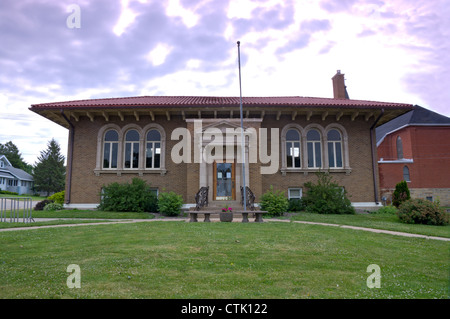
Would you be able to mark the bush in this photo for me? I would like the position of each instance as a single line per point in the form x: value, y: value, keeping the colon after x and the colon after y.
x: 295, y: 205
x: 40, y: 205
x: 53, y: 206
x: 134, y: 197
x: 401, y: 194
x: 8, y: 193
x: 420, y: 211
x: 58, y: 197
x: 274, y: 202
x: 326, y: 197
x: 391, y: 210
x: 169, y: 204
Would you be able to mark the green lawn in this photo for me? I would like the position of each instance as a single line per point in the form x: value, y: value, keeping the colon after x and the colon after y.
x: 219, y: 260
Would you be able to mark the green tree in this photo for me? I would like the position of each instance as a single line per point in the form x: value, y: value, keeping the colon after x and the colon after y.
x: 13, y: 155
x: 49, y: 171
x: 401, y: 194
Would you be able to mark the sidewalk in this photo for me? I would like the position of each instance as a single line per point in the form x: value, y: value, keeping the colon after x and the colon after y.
x: 168, y: 219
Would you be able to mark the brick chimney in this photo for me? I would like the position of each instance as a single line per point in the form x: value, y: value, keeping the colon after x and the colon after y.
x: 339, y: 88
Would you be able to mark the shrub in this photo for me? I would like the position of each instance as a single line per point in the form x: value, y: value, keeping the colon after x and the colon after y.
x: 8, y: 193
x: 401, y: 193
x: 169, y: 204
x: 391, y: 210
x: 420, y: 211
x: 326, y: 197
x: 274, y: 202
x: 58, y: 197
x: 128, y: 197
x: 40, y: 205
x: 53, y: 206
x: 295, y: 205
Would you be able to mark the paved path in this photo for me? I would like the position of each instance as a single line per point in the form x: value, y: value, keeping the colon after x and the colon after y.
x: 128, y: 221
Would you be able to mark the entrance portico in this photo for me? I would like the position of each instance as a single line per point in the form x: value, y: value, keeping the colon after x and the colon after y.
x: 220, y: 163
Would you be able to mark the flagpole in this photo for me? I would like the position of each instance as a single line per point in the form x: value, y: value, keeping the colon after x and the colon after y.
x: 242, y: 128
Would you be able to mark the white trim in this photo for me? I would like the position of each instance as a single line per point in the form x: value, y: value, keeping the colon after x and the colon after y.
x: 366, y: 204
x: 404, y: 160
x: 81, y: 206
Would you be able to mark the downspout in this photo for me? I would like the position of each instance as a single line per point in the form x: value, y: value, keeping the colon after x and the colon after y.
x: 69, y: 160
x: 374, y: 160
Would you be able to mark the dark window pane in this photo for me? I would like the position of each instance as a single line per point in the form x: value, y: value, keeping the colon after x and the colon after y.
x: 111, y: 136
x: 310, y: 155
x: 318, y: 155
x: 331, y: 154
x: 338, y: 155
x: 153, y: 135
x: 334, y: 135
x: 106, y: 155
x: 313, y: 135
x: 115, y: 147
x: 292, y: 135
x: 132, y: 135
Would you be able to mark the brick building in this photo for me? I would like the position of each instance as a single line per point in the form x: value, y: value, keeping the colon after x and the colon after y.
x: 415, y: 147
x: 181, y: 143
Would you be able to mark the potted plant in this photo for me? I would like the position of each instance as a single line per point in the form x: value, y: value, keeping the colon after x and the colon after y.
x: 226, y: 215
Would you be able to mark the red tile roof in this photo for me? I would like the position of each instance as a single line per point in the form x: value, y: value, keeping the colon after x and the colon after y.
x: 214, y: 101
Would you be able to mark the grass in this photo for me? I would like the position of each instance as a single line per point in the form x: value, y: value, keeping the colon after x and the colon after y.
x: 219, y: 260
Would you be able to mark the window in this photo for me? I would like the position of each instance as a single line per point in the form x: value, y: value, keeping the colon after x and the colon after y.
x: 153, y: 149
x: 131, y: 149
x: 294, y: 193
x: 293, y: 149
x: 399, y: 148
x: 110, y: 149
x: 314, y: 149
x: 334, y: 149
x: 406, y: 174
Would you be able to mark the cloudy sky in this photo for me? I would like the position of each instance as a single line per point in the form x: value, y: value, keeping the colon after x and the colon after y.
x: 59, y: 50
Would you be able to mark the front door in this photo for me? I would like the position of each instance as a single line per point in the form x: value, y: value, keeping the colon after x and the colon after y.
x: 224, y: 181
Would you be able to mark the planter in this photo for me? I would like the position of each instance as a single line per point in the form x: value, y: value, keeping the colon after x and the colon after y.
x: 226, y: 217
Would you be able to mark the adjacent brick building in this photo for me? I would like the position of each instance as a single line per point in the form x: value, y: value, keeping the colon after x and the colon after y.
x: 416, y: 147
x: 181, y: 143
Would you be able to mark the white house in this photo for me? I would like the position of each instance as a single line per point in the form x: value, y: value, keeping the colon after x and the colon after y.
x: 14, y: 179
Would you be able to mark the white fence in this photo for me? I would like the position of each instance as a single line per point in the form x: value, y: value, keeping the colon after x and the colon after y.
x: 16, y: 209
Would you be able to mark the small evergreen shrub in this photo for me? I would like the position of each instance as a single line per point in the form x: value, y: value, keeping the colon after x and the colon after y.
x: 40, y: 205
x: 274, y: 202
x: 326, y: 197
x: 128, y: 197
x: 58, y: 197
x: 420, y: 211
x: 53, y: 207
x: 295, y: 205
x: 170, y: 204
x: 401, y: 194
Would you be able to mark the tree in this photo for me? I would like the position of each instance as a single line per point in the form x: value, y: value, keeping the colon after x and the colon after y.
x: 49, y: 171
x: 401, y: 194
x: 13, y: 155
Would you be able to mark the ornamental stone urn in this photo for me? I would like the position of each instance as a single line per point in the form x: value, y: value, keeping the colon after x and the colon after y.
x: 226, y: 215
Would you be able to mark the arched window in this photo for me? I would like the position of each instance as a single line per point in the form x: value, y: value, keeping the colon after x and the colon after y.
x: 406, y: 174
x: 399, y: 148
x: 334, y: 149
x: 110, y: 149
x: 131, y: 149
x: 153, y: 149
x: 293, y: 149
x: 314, y: 149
